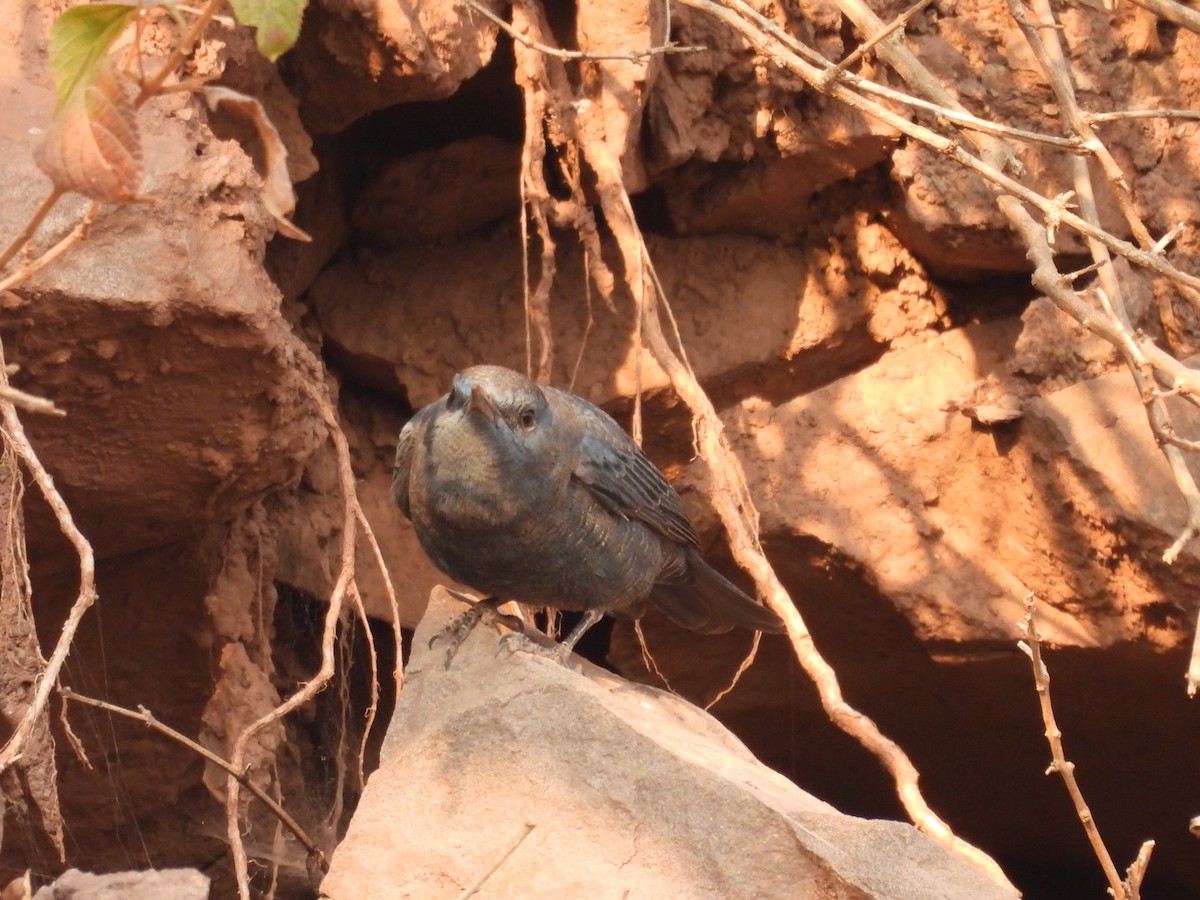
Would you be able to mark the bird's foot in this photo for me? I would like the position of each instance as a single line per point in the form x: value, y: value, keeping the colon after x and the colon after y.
x: 520, y: 642
x: 459, y: 627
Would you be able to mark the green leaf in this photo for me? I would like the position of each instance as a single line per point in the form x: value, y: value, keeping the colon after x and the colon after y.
x: 80, y: 40
x: 276, y: 23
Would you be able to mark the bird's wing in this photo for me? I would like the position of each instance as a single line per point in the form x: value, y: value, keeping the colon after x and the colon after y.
x: 412, y: 432
x: 624, y: 480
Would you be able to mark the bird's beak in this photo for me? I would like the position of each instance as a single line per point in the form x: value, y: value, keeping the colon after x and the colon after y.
x: 480, y: 402
x: 469, y: 396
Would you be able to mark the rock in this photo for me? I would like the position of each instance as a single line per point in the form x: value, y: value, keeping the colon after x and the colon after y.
x: 406, y: 320
x: 160, y: 335
x: 477, y: 182
x: 955, y: 522
x: 355, y: 56
x: 629, y: 791
x: 162, y: 884
x: 1101, y: 428
x: 768, y: 197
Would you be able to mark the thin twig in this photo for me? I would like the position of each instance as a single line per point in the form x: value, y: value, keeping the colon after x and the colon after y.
x: 1121, y: 114
x: 75, y: 235
x: 647, y: 658
x: 1192, y: 678
x: 558, y: 53
x: 389, y: 589
x: 473, y: 888
x: 181, y: 51
x: 29, y: 402
x: 142, y: 714
x: 1137, y: 870
x: 1048, y: 51
x: 743, y: 667
x: 897, y: 24
x: 329, y: 632
x: 31, y: 227
x: 1041, y: 676
x: 14, y: 432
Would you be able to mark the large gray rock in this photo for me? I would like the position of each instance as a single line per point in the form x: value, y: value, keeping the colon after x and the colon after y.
x: 631, y: 792
x: 157, y: 884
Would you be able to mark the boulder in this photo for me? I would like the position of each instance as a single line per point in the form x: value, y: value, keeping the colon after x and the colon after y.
x: 529, y: 778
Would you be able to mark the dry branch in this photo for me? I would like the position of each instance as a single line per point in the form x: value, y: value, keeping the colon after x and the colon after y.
x: 144, y: 715
x: 47, y: 680
x: 351, y: 516
x: 1121, y: 890
x: 72, y: 237
x: 473, y: 888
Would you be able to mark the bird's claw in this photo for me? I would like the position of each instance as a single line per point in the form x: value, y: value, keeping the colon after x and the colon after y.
x: 519, y: 642
x: 460, y: 626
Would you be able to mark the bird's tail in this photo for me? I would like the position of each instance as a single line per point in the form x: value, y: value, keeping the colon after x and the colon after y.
x: 705, y: 601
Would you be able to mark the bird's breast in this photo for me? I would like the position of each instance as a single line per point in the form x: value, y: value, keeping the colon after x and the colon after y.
x: 467, y: 480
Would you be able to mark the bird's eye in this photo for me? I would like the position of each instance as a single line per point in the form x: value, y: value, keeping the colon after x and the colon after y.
x: 528, y: 418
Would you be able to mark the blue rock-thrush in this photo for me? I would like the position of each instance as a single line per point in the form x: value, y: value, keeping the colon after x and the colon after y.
x: 529, y: 493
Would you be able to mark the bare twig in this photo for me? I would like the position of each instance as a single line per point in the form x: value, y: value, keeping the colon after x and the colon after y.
x: 22, y: 240
x: 389, y: 588
x: 1047, y: 49
x: 897, y: 24
x: 648, y: 658
x: 350, y: 518
x: 1041, y: 676
x: 743, y: 667
x: 14, y: 432
x: 1137, y: 870
x: 144, y: 715
x: 29, y: 402
x: 72, y: 237
x: 1121, y: 114
x: 181, y: 51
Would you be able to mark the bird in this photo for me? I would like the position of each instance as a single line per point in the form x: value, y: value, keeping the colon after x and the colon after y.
x: 525, y: 492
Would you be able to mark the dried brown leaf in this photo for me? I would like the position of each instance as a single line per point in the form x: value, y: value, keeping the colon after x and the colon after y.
x: 278, y: 197
x: 93, y: 147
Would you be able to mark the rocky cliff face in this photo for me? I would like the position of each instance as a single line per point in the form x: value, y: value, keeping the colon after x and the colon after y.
x: 927, y: 440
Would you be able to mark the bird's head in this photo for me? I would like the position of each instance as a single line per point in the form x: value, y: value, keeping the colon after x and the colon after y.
x: 503, y: 406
